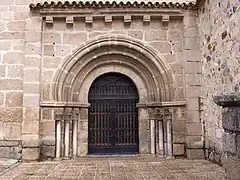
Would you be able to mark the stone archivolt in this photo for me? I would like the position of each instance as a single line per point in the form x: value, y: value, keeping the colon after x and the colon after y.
x: 121, y: 54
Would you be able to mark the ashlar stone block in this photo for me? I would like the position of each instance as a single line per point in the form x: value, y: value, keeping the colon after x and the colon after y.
x: 30, y: 154
x: 74, y: 38
x: 14, y: 99
x: 156, y: 35
x: 194, y: 129
x: 11, y: 84
x: 13, y: 58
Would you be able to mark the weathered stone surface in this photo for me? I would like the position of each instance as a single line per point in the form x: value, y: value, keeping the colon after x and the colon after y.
x: 30, y: 140
x: 175, y: 34
x: 194, y: 129
x: 11, y: 114
x: 178, y: 149
x: 32, y: 61
x: 135, y: 34
x: 74, y: 38
x: 33, y: 49
x: 2, y: 71
x: 162, y: 47
x: 52, y: 62
x: 13, y: 58
x: 10, y: 130
x: 30, y: 127
x: 1, y: 99
x: 31, y: 114
x: 14, y: 99
x: 229, y: 143
x: 47, y: 152
x: 195, y: 154
x: 156, y: 35
x: 31, y: 88
x: 31, y: 75
x: 31, y: 101
x: 11, y: 35
x: 53, y: 38
x: 47, y: 113
x: 5, y: 45
x: 10, y: 152
x: 30, y: 154
x: 195, y: 142
x: 47, y: 127
x: 232, y: 167
x: 49, y: 50
x: 219, y: 46
x: 144, y: 167
x: 16, y: 25
x: 15, y: 71
x: 11, y: 84
x: 32, y: 36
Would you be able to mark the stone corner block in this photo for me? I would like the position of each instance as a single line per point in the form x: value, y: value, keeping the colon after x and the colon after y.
x: 30, y: 154
x: 195, y: 154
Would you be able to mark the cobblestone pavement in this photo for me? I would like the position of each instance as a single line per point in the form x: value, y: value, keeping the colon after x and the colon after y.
x: 116, y: 168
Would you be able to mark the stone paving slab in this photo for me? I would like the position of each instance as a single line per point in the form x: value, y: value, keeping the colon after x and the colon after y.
x: 116, y: 168
x: 6, y: 163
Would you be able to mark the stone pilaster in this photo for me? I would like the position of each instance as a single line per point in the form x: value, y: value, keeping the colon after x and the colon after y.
x: 194, y: 127
x: 31, y: 90
x: 231, y: 135
x: 83, y: 132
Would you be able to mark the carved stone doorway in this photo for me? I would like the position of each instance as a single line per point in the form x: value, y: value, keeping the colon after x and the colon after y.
x: 113, y: 115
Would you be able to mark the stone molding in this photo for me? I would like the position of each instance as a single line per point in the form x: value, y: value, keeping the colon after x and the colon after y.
x: 232, y: 99
x: 113, y: 4
x: 74, y: 104
x: 153, y: 79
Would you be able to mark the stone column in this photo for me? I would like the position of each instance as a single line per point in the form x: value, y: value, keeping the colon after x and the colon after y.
x: 58, y: 119
x: 67, y: 119
x: 168, y: 121
x: 160, y: 138
x: 75, y: 118
x: 231, y: 135
x: 152, y: 130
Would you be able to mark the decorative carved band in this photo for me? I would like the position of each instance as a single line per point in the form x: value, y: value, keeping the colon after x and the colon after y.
x: 113, y: 4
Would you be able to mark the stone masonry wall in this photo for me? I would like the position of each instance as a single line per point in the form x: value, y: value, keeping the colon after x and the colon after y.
x: 32, y: 51
x: 60, y: 40
x: 220, y: 56
x: 12, y: 27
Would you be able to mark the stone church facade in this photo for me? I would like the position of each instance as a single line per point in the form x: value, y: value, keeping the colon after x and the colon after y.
x: 53, y: 54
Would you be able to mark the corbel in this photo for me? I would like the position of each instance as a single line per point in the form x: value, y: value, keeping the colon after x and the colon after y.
x: 88, y: 19
x: 49, y: 20
x: 146, y: 19
x: 165, y: 21
x: 127, y: 19
x: 69, y: 20
x: 108, y: 19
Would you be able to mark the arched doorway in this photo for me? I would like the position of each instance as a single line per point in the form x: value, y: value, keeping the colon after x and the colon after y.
x: 113, y: 115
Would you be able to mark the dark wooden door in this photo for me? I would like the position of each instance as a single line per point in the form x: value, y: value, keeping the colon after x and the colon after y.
x: 113, y: 116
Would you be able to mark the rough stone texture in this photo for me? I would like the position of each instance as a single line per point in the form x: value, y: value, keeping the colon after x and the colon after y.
x: 219, y: 41
x: 184, y: 46
x: 231, y: 138
x: 139, y: 167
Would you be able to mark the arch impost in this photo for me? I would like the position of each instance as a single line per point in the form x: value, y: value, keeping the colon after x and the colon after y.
x: 64, y: 104
x: 162, y: 104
